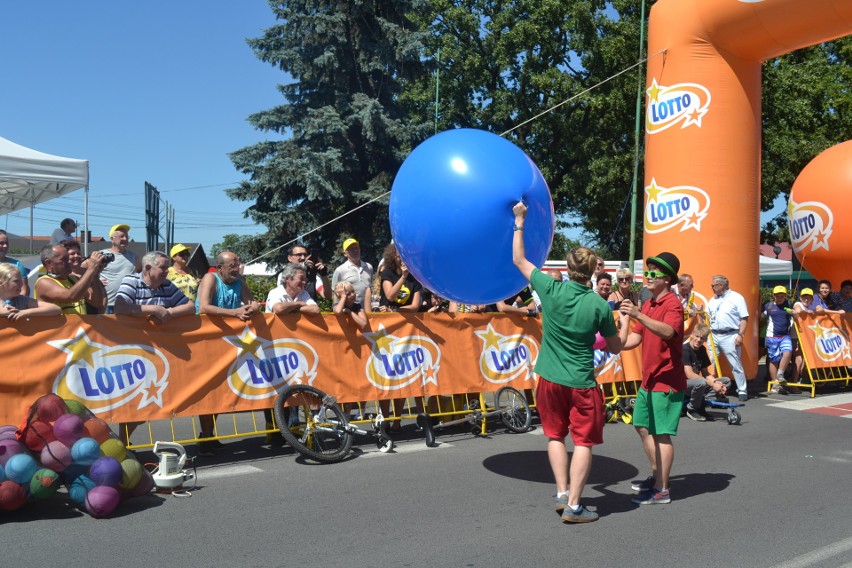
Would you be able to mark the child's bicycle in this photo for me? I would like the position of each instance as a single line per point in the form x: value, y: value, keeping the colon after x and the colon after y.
x: 509, y: 404
x: 314, y: 425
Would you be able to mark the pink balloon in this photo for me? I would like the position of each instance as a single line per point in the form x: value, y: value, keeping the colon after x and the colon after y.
x: 600, y: 342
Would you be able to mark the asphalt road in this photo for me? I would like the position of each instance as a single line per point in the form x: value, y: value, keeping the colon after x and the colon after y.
x: 772, y: 492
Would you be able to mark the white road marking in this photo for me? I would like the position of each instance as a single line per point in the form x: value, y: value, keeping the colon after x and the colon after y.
x: 819, y: 555
x: 228, y: 471
x: 408, y: 448
x: 807, y: 402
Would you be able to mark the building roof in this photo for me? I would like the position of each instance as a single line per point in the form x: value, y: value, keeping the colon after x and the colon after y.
x: 785, y: 254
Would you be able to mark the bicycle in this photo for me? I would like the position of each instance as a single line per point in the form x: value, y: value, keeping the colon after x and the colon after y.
x: 509, y: 404
x: 314, y: 425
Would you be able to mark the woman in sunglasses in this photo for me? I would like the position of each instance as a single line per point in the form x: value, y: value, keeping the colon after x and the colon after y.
x: 624, y: 277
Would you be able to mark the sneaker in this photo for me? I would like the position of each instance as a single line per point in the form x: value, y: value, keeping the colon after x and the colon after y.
x: 581, y: 516
x: 645, y: 485
x: 561, y: 502
x: 778, y: 389
x: 743, y: 397
x: 794, y: 390
x: 653, y: 497
x: 707, y: 416
x: 694, y: 415
x: 782, y: 381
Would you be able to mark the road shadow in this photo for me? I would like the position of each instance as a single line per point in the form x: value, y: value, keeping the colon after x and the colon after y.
x: 607, y: 474
x: 693, y: 484
x: 534, y: 466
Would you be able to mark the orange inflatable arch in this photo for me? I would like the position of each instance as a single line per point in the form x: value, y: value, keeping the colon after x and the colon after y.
x: 703, y: 130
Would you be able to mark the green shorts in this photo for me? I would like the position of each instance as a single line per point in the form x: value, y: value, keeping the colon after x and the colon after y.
x: 659, y: 412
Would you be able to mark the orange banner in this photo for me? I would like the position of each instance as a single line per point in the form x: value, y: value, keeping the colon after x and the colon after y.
x: 825, y: 340
x: 126, y: 369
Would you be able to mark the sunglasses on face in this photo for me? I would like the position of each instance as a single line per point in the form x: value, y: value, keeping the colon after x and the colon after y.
x: 654, y: 274
x: 625, y: 279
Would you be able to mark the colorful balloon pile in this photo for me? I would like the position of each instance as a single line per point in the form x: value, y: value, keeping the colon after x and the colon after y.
x: 63, y: 443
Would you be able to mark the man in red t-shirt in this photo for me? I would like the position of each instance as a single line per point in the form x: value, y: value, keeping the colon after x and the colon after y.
x: 659, y: 328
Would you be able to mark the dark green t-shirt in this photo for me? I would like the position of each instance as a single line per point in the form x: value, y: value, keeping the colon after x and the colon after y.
x: 571, y: 315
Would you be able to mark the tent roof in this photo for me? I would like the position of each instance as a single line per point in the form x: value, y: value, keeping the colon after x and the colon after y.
x: 28, y: 176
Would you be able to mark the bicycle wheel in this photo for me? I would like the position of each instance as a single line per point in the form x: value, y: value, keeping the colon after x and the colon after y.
x: 514, y: 409
x: 317, y: 432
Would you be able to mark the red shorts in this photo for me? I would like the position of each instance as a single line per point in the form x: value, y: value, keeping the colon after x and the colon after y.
x: 563, y: 409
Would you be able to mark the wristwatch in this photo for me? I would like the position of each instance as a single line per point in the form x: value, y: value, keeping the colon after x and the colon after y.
x: 517, y: 228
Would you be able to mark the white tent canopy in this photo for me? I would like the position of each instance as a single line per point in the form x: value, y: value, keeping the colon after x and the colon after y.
x: 775, y: 267
x: 28, y: 177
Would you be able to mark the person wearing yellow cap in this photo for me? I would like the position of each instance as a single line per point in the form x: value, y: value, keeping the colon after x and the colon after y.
x: 179, y: 273
x: 124, y: 264
x: 356, y: 272
x: 779, y: 346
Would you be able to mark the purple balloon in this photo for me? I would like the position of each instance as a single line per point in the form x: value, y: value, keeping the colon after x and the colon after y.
x: 9, y: 448
x: 106, y: 471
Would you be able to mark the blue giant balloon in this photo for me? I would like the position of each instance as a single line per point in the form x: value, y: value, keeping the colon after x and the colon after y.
x: 451, y: 215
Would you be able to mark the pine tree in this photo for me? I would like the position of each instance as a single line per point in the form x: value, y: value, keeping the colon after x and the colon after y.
x: 342, y: 132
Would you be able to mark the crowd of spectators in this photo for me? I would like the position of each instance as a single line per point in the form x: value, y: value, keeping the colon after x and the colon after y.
x: 160, y: 287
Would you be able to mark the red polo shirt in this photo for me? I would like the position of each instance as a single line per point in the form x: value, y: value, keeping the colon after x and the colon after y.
x: 662, y: 361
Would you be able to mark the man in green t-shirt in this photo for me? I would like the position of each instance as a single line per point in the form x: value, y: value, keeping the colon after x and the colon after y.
x: 568, y: 397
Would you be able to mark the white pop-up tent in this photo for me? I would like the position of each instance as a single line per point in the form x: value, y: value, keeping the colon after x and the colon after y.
x: 28, y: 177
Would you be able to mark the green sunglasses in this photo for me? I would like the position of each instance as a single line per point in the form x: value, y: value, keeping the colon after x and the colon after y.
x: 653, y: 274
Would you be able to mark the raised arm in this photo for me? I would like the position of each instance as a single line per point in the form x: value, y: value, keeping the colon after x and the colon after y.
x: 519, y: 257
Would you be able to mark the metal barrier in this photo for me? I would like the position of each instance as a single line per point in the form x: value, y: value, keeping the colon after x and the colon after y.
x: 246, y: 424
x: 817, y: 375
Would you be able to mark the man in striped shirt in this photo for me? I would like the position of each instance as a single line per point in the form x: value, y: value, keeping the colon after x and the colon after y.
x: 150, y: 294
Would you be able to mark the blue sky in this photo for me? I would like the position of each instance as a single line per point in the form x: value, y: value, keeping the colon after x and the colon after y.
x: 151, y: 91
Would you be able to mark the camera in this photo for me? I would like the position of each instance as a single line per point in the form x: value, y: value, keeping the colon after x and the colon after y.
x: 107, y: 257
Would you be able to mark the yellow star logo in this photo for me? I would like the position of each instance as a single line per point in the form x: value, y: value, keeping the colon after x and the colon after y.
x: 246, y: 342
x: 381, y: 339
x: 653, y: 191
x: 490, y: 337
x: 819, y: 331
x: 653, y: 91
x: 79, y: 348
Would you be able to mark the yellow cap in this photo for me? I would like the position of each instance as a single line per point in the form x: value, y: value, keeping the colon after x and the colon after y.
x: 779, y: 290
x: 348, y: 243
x: 806, y: 292
x: 177, y: 249
x: 119, y: 227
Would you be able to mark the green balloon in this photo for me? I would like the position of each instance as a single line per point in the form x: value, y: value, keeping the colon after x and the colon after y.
x: 44, y: 483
